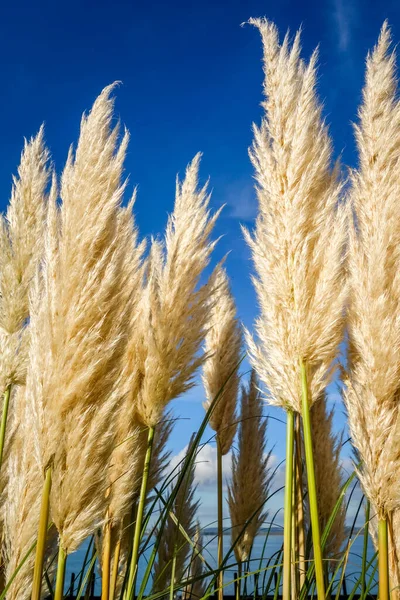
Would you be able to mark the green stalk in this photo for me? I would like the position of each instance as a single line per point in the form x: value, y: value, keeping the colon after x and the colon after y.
x: 3, y: 423
x: 312, y: 487
x: 287, y: 515
x: 220, y: 581
x: 61, y: 564
x: 139, y: 516
x: 299, y: 505
x: 41, y: 538
x: 383, y: 559
x: 172, y: 585
x: 365, y: 549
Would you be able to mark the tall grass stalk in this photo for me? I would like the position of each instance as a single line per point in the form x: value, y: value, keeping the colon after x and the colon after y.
x: 287, y: 517
x: 3, y: 424
x: 41, y: 539
x: 312, y: 488
x: 115, y: 567
x: 139, y: 517
x: 61, y: 565
x: 299, y: 504
x: 105, y: 566
x: 383, y: 559
x: 365, y: 548
x: 220, y: 521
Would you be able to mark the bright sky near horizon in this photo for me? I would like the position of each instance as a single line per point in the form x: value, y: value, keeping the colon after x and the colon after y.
x: 191, y: 80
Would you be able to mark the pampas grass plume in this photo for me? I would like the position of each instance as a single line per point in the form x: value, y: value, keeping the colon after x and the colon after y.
x: 299, y: 237
x: 223, y: 345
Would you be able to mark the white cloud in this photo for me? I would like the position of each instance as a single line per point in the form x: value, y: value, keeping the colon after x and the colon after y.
x: 240, y: 198
x: 343, y: 14
x: 206, y: 465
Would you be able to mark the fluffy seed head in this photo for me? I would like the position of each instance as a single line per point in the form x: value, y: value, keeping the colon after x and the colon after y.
x: 21, y: 247
x: 298, y: 241
x: 223, y: 345
x: 251, y: 479
x: 163, y: 349
x: 80, y: 307
x: 372, y: 396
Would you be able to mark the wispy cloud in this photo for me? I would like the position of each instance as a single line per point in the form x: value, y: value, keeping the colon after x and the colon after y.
x: 240, y: 198
x: 343, y: 13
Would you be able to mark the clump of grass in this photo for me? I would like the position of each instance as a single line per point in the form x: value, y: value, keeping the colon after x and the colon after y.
x: 297, y: 251
x: 163, y: 352
x: 223, y: 344
x: 78, y: 311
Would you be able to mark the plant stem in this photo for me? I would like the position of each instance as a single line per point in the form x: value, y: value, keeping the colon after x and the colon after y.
x: 312, y: 486
x: 61, y: 564
x: 139, y: 516
x: 220, y: 558
x: 172, y: 584
x: 383, y: 559
x: 106, y: 558
x: 365, y: 549
x: 239, y: 580
x: 114, y: 574
x: 294, y: 580
x: 299, y: 506
x: 287, y: 515
x: 41, y: 538
x: 3, y: 423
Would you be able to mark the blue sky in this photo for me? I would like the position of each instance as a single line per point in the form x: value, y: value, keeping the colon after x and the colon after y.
x: 191, y: 80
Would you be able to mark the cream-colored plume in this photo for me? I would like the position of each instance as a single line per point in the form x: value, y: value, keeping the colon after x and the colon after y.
x: 80, y: 311
x: 21, y: 247
x: 248, y: 492
x: 328, y: 473
x: 372, y: 396
x: 163, y: 349
x: 223, y: 346
x: 299, y: 237
x: 21, y: 504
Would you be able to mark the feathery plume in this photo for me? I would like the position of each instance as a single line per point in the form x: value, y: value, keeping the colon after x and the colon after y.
x: 328, y: 472
x: 223, y: 344
x: 251, y: 479
x: 298, y: 241
x: 21, y: 504
x: 372, y: 395
x: 163, y: 348
x: 21, y: 246
x: 80, y: 306
x: 174, y: 546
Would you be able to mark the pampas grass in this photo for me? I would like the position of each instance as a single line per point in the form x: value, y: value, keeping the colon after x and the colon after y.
x: 297, y: 249
x: 223, y: 345
x: 21, y: 506
x: 163, y: 353
x: 79, y: 311
x: 21, y: 247
x: 248, y: 492
x: 374, y: 260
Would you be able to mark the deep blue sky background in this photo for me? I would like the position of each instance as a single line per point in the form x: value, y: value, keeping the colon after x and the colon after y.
x: 191, y: 80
